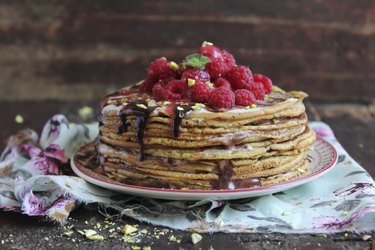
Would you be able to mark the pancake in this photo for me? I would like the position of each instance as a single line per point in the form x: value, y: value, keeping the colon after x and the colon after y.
x: 188, y: 146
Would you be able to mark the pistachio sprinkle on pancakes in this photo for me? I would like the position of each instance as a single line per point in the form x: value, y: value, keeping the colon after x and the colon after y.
x: 205, y: 123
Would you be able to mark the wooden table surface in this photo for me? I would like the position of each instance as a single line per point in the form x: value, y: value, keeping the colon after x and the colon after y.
x: 353, y: 124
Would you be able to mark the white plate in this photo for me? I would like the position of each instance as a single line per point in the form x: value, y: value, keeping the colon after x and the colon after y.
x: 322, y: 158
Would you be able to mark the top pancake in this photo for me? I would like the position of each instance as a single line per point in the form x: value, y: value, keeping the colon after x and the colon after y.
x: 278, y: 101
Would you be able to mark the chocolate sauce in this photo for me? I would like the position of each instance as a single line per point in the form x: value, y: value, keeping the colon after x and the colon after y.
x: 179, y: 113
x: 141, y: 111
x: 225, y: 168
x: 247, y: 183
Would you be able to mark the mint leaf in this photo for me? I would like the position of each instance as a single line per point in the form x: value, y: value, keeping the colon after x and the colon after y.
x: 196, y: 61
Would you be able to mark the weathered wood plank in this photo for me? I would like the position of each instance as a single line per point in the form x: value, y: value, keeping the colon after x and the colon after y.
x: 23, y: 232
x: 354, y: 126
x: 325, y: 48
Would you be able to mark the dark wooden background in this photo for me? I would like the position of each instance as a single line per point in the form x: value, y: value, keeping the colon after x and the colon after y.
x: 79, y: 50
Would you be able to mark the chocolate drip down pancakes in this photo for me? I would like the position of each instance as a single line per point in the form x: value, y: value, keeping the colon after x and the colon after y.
x: 178, y: 145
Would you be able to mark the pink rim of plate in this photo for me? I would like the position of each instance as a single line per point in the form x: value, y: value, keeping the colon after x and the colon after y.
x: 328, y: 166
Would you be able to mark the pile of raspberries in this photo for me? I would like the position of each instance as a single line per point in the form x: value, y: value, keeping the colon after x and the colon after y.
x: 222, y: 84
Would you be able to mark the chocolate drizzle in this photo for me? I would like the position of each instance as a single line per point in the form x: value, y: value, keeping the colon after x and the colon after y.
x: 225, y: 168
x: 179, y: 112
x: 247, y: 183
x: 141, y: 111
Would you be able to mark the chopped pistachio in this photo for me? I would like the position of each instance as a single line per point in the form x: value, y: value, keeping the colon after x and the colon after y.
x: 345, y: 213
x: 205, y: 43
x: 136, y: 248
x: 128, y: 239
x: 301, y: 170
x: 111, y: 101
x: 95, y: 237
x: 98, y: 225
x: 253, y: 106
x: 195, y: 238
x: 46, y: 238
x: 113, y: 235
x: 142, y: 106
x: 138, y: 83
x: 346, y: 235
x: 146, y: 248
x: 366, y: 237
x: 221, y: 223
x: 323, y: 235
x: 128, y: 229
x: 211, y: 248
x: 86, y: 222
x: 89, y: 232
x: 19, y: 119
x: 209, y: 84
x: 151, y: 103
x: 143, y: 231
x: 198, y: 106
x: 191, y: 82
x: 68, y: 233
x: 173, y: 66
x: 85, y: 112
x: 174, y: 239
x: 81, y: 232
x: 180, y: 108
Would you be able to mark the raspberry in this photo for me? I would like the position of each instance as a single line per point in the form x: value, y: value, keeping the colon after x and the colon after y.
x: 257, y: 89
x: 222, y: 98
x: 240, y: 77
x: 147, y: 85
x: 175, y: 90
x: 222, y: 82
x: 228, y: 58
x: 160, y: 69
x: 218, y: 66
x: 244, y: 97
x: 196, y: 74
x: 158, y: 91
x: 200, y: 92
x: 267, y: 83
x: 211, y: 52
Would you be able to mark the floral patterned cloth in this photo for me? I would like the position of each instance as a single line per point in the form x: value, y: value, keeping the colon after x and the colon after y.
x: 36, y: 179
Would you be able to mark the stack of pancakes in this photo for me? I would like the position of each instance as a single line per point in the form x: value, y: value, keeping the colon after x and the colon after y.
x: 189, y: 146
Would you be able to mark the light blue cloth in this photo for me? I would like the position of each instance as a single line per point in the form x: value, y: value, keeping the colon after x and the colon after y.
x: 31, y: 182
